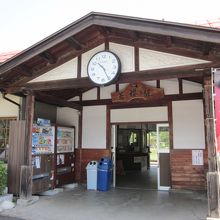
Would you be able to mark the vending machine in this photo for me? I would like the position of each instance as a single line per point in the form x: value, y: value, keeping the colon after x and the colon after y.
x: 43, y: 146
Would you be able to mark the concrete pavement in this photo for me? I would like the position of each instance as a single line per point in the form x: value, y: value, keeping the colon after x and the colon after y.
x: 116, y: 204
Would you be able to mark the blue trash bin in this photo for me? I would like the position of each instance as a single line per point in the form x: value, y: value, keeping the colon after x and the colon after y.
x: 104, y: 174
x: 91, y: 169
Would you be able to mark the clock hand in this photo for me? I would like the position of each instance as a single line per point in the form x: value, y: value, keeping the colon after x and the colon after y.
x: 104, y: 70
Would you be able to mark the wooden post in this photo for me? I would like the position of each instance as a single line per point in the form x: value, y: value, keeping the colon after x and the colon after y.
x: 80, y: 142
x: 26, y: 169
x: 212, y: 175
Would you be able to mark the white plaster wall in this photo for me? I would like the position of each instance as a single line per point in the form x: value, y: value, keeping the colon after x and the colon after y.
x: 87, y: 56
x: 69, y: 117
x: 125, y: 54
x: 139, y: 114
x: 150, y: 59
x: 105, y: 92
x: 94, y: 127
x: 170, y: 86
x: 123, y: 86
x: 188, y: 125
x: 67, y: 70
x: 90, y: 95
x: 191, y: 87
x: 76, y: 98
x: 7, y: 109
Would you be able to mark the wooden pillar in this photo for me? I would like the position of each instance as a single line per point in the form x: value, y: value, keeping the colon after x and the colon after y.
x: 26, y: 169
x: 79, y: 171
x: 212, y: 175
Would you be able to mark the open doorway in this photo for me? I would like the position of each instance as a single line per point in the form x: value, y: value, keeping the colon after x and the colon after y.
x: 136, y: 155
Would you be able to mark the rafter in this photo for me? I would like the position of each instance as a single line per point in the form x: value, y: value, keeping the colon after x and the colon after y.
x: 25, y: 70
x: 169, y: 41
x: 105, y: 31
x: 41, y: 96
x: 48, y: 57
x: 37, y: 72
x: 75, y: 43
x: 168, y: 45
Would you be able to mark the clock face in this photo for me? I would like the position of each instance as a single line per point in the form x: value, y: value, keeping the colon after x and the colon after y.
x: 103, y: 68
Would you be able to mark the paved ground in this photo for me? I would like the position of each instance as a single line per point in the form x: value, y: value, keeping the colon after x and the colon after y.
x: 9, y: 218
x: 118, y: 204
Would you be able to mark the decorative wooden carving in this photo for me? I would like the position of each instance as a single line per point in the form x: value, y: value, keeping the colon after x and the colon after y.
x: 138, y: 91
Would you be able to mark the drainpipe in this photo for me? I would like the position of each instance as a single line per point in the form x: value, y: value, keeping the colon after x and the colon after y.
x: 13, y: 102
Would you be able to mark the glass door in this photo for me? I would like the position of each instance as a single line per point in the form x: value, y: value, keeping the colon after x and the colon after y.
x: 163, y: 149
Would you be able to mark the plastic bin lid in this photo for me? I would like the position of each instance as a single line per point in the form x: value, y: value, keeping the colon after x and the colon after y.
x: 92, y: 165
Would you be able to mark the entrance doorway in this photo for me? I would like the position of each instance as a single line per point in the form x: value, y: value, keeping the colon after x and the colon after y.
x: 136, y: 155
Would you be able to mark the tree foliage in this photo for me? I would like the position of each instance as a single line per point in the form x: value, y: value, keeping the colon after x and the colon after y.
x: 3, y: 177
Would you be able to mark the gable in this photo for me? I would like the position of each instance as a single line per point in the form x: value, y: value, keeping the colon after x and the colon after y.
x: 149, y: 50
x: 148, y: 60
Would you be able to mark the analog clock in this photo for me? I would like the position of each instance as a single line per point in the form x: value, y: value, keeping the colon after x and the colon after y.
x: 104, y: 68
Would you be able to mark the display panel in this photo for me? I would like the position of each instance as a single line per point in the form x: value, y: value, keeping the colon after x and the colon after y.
x: 42, y: 139
x: 65, y: 139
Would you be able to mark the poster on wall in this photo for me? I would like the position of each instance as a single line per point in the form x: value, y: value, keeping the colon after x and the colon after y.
x: 42, y: 139
x: 197, y: 157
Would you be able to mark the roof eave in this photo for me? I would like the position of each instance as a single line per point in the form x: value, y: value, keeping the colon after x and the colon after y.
x: 191, y: 32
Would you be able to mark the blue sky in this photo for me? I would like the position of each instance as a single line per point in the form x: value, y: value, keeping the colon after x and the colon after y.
x: 25, y: 22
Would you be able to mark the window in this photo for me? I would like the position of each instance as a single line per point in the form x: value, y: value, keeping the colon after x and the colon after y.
x: 4, y: 135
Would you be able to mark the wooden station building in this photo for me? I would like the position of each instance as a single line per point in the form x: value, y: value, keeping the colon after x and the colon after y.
x: 165, y: 78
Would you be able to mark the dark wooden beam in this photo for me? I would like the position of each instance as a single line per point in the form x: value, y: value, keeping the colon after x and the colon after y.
x: 165, y: 100
x: 25, y: 70
x: 98, y: 93
x: 134, y: 35
x: 43, y: 97
x: 79, y: 66
x: 169, y: 41
x: 170, y: 119
x: 75, y: 43
x: 207, y: 48
x: 116, y: 87
x: 104, y: 31
x: 48, y: 57
x: 106, y: 44
x: 156, y: 74
x: 158, y: 83
x: 180, y: 86
x: 136, y: 58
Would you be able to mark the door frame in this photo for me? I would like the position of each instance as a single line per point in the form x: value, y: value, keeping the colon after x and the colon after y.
x: 165, y: 188
x: 113, y: 152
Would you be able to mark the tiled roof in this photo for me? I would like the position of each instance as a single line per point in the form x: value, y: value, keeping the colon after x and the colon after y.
x: 7, y: 55
x: 210, y: 23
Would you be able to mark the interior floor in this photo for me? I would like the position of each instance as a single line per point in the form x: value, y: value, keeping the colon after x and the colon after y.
x: 138, y: 179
